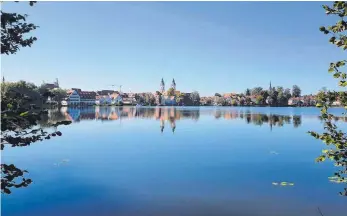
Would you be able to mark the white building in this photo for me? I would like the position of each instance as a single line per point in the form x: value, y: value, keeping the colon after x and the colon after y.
x: 87, y: 98
x: 74, y: 98
x: 83, y: 98
x: 113, y: 98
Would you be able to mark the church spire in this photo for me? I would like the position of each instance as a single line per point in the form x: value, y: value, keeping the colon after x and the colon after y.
x: 270, y: 86
x: 162, y: 86
x: 173, y: 85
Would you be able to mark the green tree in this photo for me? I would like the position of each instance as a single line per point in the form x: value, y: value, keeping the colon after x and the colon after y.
x: 248, y: 92
x: 218, y: 95
x: 259, y: 100
x: 18, y: 118
x: 179, y: 98
x: 171, y: 92
x: 334, y: 137
x: 195, y: 97
x: 270, y: 100
x: 287, y: 93
x: 220, y: 101
x: 233, y: 102
x: 256, y: 91
x: 248, y: 101
x: 264, y: 95
x: 14, y: 28
x: 149, y: 99
x: 296, y: 91
x: 60, y: 94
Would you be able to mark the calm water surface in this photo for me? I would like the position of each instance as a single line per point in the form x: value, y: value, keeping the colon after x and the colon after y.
x: 177, y: 161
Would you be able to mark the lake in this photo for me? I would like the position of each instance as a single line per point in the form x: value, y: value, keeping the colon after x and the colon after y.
x: 177, y: 161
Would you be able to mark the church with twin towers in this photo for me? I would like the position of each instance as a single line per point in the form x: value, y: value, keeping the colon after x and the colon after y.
x: 162, y: 85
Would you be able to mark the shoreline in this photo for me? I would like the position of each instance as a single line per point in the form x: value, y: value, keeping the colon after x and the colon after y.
x: 192, y: 106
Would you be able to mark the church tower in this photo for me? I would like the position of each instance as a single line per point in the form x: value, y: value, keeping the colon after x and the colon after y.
x: 56, y: 83
x: 173, y: 85
x: 162, y: 86
x: 270, y: 88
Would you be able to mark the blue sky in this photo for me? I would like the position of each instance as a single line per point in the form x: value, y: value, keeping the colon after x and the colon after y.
x: 206, y: 46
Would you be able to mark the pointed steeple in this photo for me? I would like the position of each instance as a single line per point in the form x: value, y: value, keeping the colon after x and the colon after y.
x: 162, y: 86
x: 3, y: 79
x: 173, y: 85
x: 270, y: 86
x: 57, y: 82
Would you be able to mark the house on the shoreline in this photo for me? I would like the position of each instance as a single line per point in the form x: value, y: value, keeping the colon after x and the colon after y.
x: 307, y: 100
x: 128, y: 98
x: 77, y: 97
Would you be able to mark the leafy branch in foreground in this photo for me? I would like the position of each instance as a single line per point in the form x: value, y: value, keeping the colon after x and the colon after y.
x: 19, y: 116
x: 19, y: 128
x: 333, y: 136
x: 13, y: 29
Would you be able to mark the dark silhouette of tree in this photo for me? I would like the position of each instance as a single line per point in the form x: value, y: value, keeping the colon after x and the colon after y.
x: 248, y: 92
x: 18, y: 117
x: 13, y: 30
x: 296, y: 91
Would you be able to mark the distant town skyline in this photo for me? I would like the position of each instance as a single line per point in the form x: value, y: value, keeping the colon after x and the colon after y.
x: 205, y: 46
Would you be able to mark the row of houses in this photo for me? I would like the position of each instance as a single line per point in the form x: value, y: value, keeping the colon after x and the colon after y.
x: 308, y: 100
x: 77, y: 97
x: 236, y: 99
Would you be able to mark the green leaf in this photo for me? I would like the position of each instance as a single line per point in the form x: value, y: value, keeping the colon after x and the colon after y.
x: 331, y: 70
x: 320, y: 158
x: 336, y: 75
x: 24, y: 114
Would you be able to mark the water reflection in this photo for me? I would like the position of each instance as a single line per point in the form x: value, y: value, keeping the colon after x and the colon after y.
x: 169, y: 115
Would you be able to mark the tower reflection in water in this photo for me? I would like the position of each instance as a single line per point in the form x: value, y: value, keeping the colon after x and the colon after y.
x: 169, y: 115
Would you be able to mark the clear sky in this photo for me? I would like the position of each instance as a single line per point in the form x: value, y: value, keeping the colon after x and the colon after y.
x: 206, y: 46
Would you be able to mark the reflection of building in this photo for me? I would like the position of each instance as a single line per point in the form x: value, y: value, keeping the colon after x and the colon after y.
x: 169, y: 115
x: 108, y: 113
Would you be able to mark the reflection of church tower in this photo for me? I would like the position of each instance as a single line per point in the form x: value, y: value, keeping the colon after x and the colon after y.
x: 162, y: 125
x: 162, y: 86
x: 173, y: 85
x: 173, y: 124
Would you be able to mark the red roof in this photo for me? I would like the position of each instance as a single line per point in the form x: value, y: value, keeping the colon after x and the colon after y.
x: 87, y: 94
